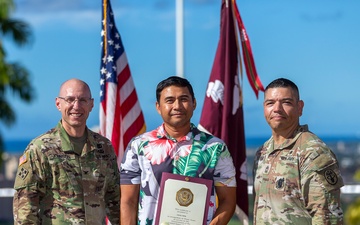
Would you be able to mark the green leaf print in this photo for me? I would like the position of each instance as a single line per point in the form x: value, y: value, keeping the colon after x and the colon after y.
x: 190, y: 164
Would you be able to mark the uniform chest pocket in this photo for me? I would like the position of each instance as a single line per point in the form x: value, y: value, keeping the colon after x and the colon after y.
x: 287, y: 166
x: 287, y: 178
x: 64, y: 173
x: 96, y: 171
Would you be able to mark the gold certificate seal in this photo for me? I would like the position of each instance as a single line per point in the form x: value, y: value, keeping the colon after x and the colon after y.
x: 184, y: 197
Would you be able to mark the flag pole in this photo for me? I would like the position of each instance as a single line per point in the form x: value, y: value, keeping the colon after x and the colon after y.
x: 180, y: 38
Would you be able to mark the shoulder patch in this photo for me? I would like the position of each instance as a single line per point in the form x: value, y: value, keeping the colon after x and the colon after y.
x: 330, y: 176
x: 23, y: 159
x: 23, y: 173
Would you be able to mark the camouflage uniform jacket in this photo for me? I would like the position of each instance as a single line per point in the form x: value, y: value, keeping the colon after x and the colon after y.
x: 54, y: 185
x: 297, y: 183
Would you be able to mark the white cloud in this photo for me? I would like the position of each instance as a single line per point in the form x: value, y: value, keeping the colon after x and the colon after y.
x: 77, y: 19
x: 90, y: 17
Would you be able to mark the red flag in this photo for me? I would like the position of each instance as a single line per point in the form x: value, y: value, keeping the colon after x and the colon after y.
x: 251, y: 73
x: 222, y: 113
x: 121, y: 117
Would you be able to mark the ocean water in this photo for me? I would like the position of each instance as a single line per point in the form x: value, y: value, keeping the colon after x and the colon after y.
x: 15, y: 146
x: 336, y: 143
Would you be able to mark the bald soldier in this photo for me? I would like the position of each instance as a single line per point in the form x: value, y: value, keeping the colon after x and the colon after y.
x: 68, y: 175
x: 296, y: 176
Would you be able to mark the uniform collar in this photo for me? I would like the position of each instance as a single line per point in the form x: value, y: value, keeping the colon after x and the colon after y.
x: 65, y: 140
x: 269, y: 145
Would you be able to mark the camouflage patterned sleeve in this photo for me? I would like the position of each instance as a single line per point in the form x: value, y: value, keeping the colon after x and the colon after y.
x: 28, y: 189
x: 112, y: 196
x: 321, y: 183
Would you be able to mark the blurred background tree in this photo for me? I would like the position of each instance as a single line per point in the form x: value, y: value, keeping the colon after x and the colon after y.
x: 352, y: 214
x: 14, y: 78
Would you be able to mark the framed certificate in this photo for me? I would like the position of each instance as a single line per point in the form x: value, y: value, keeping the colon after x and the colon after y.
x: 183, y: 200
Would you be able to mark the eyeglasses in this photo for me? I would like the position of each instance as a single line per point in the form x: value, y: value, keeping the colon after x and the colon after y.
x: 70, y: 100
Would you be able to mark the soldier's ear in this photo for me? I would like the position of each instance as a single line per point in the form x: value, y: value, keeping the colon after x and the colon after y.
x: 300, y: 107
x: 57, y: 103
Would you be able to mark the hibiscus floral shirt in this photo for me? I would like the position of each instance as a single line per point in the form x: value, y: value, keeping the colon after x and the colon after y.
x: 197, y: 154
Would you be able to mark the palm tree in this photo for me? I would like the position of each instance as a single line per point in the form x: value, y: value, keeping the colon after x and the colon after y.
x: 14, y: 78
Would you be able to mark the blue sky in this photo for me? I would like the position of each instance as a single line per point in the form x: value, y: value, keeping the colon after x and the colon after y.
x: 313, y: 43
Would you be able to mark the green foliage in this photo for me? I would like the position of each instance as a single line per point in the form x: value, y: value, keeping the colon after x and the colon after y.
x: 352, y: 214
x: 6, y: 6
x: 357, y: 175
x: 14, y: 78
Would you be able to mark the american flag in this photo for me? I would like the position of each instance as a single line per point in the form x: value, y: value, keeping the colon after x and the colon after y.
x: 121, y: 117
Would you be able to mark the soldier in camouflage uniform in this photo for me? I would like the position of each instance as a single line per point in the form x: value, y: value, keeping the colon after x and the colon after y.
x: 296, y: 176
x: 68, y: 175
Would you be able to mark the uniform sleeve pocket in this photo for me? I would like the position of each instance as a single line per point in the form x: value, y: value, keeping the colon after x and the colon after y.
x: 330, y: 177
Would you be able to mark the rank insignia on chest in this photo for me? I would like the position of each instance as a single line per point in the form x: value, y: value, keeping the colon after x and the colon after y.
x: 100, y: 148
x: 267, y: 168
x: 280, y: 183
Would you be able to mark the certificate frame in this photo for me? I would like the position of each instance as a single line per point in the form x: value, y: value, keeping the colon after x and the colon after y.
x: 183, y: 200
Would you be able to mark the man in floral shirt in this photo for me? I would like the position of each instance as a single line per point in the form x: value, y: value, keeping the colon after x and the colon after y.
x: 177, y: 147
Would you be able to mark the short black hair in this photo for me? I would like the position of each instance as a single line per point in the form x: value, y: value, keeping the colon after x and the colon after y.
x: 173, y: 81
x: 284, y: 83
